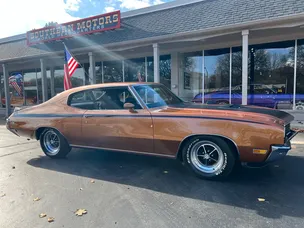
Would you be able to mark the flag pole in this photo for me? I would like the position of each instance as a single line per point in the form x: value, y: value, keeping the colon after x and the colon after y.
x: 78, y: 63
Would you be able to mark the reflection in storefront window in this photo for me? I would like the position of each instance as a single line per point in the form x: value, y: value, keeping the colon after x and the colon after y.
x: 58, y: 80
x: 135, y: 70
x: 2, y: 98
x: 300, y: 76
x: 98, y: 71
x: 150, y: 69
x: 190, y: 83
x: 39, y: 86
x: 113, y: 71
x: 236, y: 75
x: 77, y: 78
x: 30, y: 87
x: 16, y: 88
x: 48, y: 78
x: 217, y: 69
x: 165, y: 70
x: 271, y: 75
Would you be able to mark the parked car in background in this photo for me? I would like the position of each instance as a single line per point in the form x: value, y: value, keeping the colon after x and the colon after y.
x: 147, y: 118
x: 263, y: 96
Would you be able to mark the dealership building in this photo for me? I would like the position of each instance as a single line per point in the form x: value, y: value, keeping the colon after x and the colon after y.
x: 208, y: 51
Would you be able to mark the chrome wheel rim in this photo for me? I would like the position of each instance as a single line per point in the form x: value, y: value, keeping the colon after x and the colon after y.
x: 51, y: 142
x: 207, y: 157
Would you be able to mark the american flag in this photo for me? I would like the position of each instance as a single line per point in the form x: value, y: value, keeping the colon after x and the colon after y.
x: 16, y: 82
x: 70, y: 66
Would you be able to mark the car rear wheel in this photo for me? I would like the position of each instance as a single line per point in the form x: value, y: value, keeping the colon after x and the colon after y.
x: 209, y: 157
x: 54, y: 144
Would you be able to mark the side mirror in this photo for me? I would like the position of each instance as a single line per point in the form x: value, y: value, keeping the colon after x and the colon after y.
x: 129, y: 106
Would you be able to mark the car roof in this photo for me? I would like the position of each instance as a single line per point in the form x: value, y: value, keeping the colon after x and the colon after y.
x: 100, y: 85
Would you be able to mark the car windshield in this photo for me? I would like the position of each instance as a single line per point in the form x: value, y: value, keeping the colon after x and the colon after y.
x: 157, y: 95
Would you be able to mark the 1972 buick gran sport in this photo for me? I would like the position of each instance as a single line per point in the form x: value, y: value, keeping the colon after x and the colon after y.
x: 147, y: 118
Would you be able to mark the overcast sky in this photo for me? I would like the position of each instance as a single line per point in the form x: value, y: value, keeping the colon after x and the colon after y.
x: 19, y: 16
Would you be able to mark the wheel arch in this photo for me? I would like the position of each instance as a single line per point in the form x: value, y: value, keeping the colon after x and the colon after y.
x: 228, y: 140
x: 40, y: 130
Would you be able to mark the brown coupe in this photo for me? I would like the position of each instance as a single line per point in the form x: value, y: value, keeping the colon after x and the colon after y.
x: 147, y: 118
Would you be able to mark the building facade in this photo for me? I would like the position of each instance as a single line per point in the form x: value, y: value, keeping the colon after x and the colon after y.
x: 206, y: 51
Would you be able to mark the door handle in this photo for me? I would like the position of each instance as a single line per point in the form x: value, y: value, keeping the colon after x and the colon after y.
x: 88, y: 116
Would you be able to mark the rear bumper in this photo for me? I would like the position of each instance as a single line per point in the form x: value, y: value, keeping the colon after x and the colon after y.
x: 9, y: 127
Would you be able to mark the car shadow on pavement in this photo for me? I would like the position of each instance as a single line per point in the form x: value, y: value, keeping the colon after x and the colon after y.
x: 281, y: 184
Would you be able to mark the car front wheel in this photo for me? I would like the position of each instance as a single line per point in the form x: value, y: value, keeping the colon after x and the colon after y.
x: 54, y: 144
x: 209, y: 157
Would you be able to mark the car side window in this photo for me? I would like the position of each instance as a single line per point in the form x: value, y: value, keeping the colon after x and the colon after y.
x: 82, y: 100
x: 114, y: 98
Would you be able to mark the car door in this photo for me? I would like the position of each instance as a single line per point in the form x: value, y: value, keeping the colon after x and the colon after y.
x: 77, y: 105
x: 110, y: 126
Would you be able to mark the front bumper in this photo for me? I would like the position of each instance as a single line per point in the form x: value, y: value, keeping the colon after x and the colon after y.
x: 277, y: 153
x: 280, y: 151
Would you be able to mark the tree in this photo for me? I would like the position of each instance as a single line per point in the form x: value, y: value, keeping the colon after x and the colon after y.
x: 51, y: 23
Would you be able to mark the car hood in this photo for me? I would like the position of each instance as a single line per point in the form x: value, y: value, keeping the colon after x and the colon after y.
x: 248, y: 113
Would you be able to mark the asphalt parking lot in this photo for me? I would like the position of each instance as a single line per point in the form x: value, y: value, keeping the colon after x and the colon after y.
x: 123, y: 190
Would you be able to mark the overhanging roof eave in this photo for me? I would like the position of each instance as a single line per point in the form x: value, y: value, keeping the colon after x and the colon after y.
x: 214, y: 31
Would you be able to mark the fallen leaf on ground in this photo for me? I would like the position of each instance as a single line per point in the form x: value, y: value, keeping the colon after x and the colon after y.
x: 36, y: 199
x: 261, y: 199
x: 166, y: 172
x: 3, y: 195
x: 51, y: 219
x: 92, y: 181
x: 80, y: 212
x: 42, y: 215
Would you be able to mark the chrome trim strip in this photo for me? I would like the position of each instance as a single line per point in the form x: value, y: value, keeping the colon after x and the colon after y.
x: 137, y: 97
x: 127, y: 151
x: 179, y: 147
x: 292, y: 136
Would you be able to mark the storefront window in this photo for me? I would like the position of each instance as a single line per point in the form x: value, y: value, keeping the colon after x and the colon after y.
x: 135, y: 70
x: 48, y: 78
x: 236, y: 75
x: 165, y: 70
x: 2, y: 97
x: 150, y: 69
x: 39, y: 86
x: 271, y: 75
x: 113, y: 71
x: 58, y: 80
x: 300, y: 76
x: 190, y: 85
x: 30, y: 87
x: 77, y: 78
x: 16, y: 89
x: 217, y: 69
x: 98, y: 71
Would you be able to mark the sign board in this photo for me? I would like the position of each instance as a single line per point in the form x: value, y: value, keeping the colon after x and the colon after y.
x: 89, y: 25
